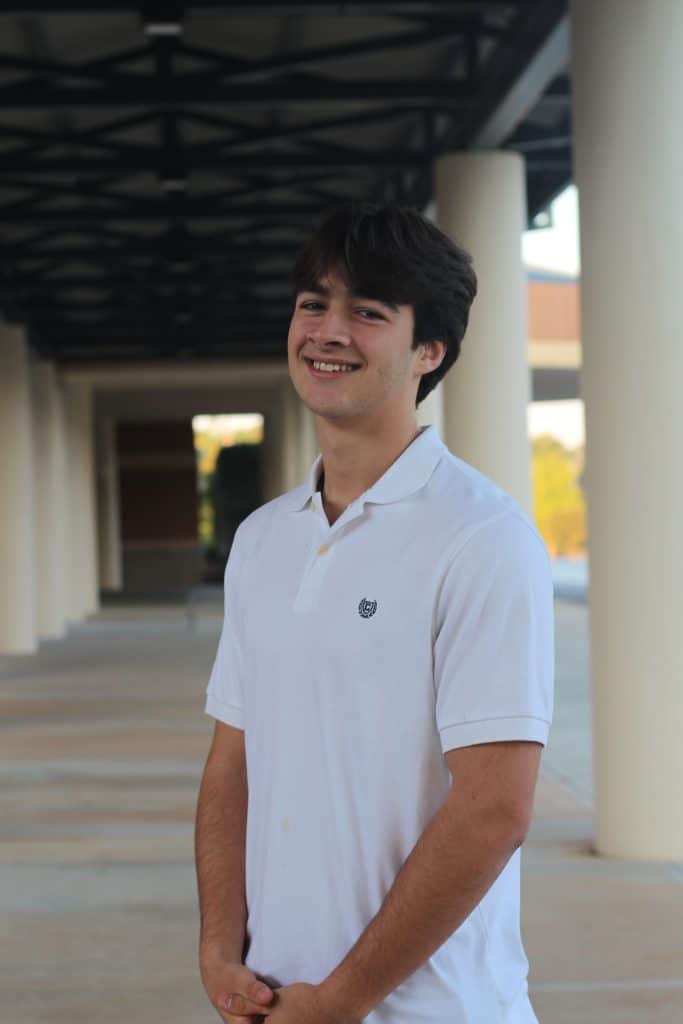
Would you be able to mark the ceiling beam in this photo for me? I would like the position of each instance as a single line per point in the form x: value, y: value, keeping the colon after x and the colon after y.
x: 489, y: 117
x: 95, y: 271
x: 550, y: 60
x: 538, y: 142
x: 149, y: 161
x: 156, y: 248
x: 93, y: 136
x: 184, y: 89
x: 147, y: 210
x: 89, y: 73
x: 441, y: 30
x: 333, y: 7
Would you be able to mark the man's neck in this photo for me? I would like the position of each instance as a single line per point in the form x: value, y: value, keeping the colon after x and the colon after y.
x: 353, y: 460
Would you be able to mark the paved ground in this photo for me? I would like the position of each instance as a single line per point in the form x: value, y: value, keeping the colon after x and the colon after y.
x: 102, y: 739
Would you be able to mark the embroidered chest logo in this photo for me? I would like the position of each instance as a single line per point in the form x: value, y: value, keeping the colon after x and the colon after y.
x: 366, y: 609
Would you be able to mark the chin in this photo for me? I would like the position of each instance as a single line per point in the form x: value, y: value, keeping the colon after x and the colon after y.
x: 339, y: 414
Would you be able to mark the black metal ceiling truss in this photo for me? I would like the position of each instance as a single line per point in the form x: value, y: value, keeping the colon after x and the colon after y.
x: 152, y: 198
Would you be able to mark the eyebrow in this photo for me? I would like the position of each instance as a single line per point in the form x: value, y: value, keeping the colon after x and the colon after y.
x: 321, y: 289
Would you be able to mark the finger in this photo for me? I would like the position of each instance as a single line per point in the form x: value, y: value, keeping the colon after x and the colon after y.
x: 260, y: 994
x: 237, y: 1005
x: 230, y: 1018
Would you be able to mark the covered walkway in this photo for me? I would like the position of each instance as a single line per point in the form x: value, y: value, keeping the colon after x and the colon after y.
x: 103, y: 740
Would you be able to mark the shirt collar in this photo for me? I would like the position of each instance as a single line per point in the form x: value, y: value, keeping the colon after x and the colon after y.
x: 411, y: 471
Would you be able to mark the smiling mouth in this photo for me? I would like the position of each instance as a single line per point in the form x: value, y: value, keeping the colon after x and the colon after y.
x: 331, y: 368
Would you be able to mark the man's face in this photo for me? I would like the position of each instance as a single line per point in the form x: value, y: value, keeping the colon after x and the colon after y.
x: 350, y: 357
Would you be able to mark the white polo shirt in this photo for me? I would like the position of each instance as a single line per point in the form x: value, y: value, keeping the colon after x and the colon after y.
x: 354, y: 656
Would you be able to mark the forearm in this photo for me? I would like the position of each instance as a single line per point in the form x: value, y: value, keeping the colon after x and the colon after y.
x: 220, y: 838
x: 450, y: 868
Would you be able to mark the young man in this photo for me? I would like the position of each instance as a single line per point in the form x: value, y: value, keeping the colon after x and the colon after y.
x: 383, y: 683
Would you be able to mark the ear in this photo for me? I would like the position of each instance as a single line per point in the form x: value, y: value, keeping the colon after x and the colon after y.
x: 432, y: 354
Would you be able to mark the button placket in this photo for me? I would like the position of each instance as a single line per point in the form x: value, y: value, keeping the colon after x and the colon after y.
x: 316, y: 565
x: 322, y: 552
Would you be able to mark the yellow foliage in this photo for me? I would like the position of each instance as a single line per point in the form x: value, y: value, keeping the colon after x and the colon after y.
x: 207, y: 445
x: 559, y: 501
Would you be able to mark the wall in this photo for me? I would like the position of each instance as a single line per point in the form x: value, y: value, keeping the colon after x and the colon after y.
x: 159, y: 508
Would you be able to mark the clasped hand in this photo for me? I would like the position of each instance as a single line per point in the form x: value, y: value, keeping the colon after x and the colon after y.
x: 300, y: 1003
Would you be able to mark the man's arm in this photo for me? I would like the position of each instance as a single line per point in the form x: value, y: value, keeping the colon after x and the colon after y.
x: 220, y: 839
x: 457, y: 858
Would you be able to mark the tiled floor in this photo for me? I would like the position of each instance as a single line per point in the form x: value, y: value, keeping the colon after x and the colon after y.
x: 102, y: 741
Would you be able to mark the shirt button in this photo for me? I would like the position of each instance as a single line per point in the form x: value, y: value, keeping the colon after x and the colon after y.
x: 323, y: 548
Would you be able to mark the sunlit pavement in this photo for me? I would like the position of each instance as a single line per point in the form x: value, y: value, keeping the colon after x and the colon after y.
x: 102, y: 742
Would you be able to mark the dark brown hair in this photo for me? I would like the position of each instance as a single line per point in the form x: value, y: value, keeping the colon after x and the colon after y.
x: 394, y: 254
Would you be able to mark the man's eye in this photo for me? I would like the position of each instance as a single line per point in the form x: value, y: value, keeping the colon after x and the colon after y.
x: 370, y: 314
x: 311, y: 304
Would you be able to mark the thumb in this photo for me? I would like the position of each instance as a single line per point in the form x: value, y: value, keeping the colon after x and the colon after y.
x: 247, y: 998
x: 258, y: 991
x: 251, y: 988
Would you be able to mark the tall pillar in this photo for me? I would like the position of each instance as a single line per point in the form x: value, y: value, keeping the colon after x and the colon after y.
x: 50, y: 518
x: 17, y: 566
x: 480, y: 202
x: 110, y: 558
x: 83, y: 598
x: 272, y: 450
x: 290, y: 437
x: 430, y: 410
x: 627, y: 80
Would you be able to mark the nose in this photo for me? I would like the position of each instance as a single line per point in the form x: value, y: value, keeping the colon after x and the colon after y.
x: 332, y: 328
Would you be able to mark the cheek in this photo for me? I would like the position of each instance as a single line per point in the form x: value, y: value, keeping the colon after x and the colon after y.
x: 398, y: 373
x: 299, y: 328
x: 292, y: 337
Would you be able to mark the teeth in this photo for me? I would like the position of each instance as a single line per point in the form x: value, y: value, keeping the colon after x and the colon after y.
x: 332, y: 367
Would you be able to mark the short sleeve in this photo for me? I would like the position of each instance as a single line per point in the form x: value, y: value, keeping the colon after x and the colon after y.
x: 494, y: 649
x: 225, y: 692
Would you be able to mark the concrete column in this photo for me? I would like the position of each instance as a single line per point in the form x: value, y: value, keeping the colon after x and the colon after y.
x: 480, y: 202
x: 110, y: 558
x: 290, y: 437
x: 627, y: 80
x: 430, y: 410
x: 272, y: 451
x: 17, y: 531
x: 83, y: 598
x: 50, y: 501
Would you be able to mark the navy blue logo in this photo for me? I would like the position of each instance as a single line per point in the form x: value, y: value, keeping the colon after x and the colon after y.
x: 366, y: 609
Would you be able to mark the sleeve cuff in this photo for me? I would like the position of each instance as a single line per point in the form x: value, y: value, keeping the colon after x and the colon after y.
x: 227, y: 713
x: 494, y: 730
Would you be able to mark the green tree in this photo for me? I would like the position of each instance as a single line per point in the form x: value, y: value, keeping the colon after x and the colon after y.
x: 559, y: 501
x: 208, y: 444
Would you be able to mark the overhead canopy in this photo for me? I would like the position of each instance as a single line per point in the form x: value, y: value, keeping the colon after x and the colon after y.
x: 161, y: 163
